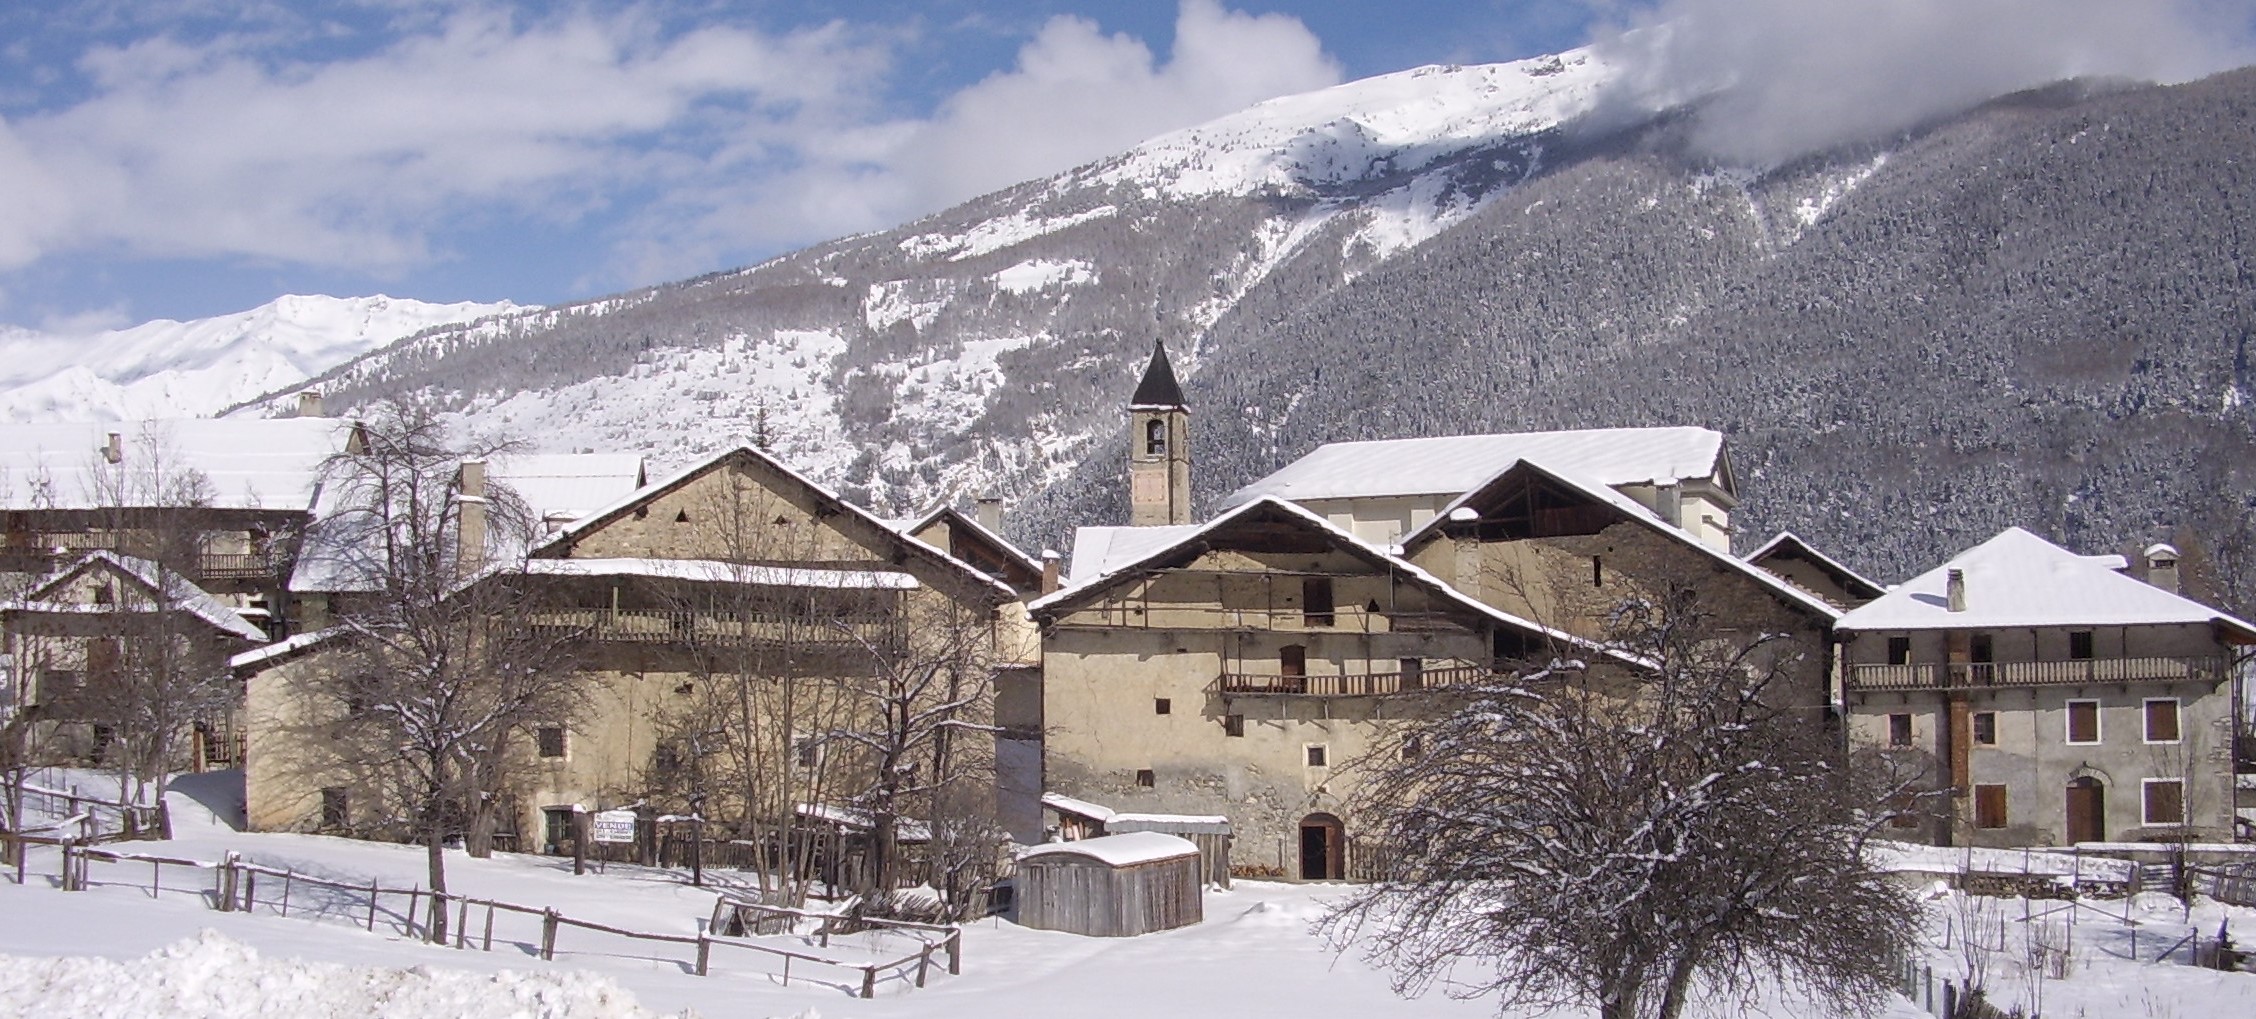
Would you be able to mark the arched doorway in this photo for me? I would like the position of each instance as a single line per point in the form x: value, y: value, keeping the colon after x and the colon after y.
x: 1323, y: 848
x: 2087, y: 810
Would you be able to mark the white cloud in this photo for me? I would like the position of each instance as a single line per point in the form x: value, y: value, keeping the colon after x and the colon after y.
x: 1787, y: 77
x: 685, y: 147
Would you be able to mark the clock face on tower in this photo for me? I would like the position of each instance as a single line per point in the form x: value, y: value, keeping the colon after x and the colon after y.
x: 1148, y: 486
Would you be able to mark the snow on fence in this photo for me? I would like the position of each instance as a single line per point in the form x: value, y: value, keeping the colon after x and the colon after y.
x: 97, y: 818
x: 235, y: 885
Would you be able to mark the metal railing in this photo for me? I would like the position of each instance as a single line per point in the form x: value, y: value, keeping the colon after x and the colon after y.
x: 654, y: 626
x: 1372, y: 684
x: 1962, y: 675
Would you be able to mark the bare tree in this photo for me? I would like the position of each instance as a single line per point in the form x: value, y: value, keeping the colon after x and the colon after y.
x: 439, y: 667
x: 1566, y: 839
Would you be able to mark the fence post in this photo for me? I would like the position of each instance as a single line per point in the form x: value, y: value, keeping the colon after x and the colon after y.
x: 704, y: 951
x: 489, y: 926
x: 68, y: 869
x: 462, y: 922
x: 955, y: 952
x: 548, y: 935
x: 924, y: 962
x: 372, y: 892
x: 227, y: 882
x: 869, y: 981
x: 285, y: 892
x: 250, y: 891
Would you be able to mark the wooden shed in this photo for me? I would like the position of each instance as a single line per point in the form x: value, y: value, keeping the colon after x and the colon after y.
x: 1112, y: 886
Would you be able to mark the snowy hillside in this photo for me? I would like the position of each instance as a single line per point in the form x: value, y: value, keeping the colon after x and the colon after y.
x: 193, y: 369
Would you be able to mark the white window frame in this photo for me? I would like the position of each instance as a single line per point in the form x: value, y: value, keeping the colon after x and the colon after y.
x: 2177, y: 711
x: 2068, y: 723
x: 2183, y: 807
x: 1974, y: 731
x: 1325, y: 747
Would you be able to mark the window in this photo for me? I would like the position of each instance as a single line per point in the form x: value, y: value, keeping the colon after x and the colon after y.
x: 681, y: 517
x: 1155, y: 437
x: 2161, y: 720
x: 1292, y: 660
x: 1316, y: 601
x: 806, y: 752
x: 1413, y: 747
x: 1981, y: 648
x: 556, y: 827
x: 1233, y: 725
x: 1899, y: 651
x: 1146, y: 778
x: 2083, y: 721
x: 1989, y: 806
x: 1985, y: 728
x: 1597, y: 571
x: 1903, y: 812
x: 104, y: 596
x: 1319, y: 755
x: 2164, y: 802
x: 550, y: 740
x: 336, y: 808
x: 1413, y: 673
x: 1899, y: 730
x: 1162, y: 706
x: 2080, y: 645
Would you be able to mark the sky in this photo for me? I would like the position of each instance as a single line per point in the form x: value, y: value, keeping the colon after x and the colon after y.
x: 195, y: 157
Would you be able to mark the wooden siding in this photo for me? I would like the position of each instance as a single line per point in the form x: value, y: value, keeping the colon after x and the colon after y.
x: 1083, y: 895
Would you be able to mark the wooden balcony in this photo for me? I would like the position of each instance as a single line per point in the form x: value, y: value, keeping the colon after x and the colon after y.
x: 1977, y: 675
x: 718, y: 629
x: 1371, y: 684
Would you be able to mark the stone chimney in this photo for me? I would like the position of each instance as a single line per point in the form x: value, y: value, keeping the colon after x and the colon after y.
x: 1956, y: 590
x: 113, y: 451
x: 990, y: 513
x: 1049, y: 570
x: 2162, y: 566
x: 470, y: 525
x: 309, y: 403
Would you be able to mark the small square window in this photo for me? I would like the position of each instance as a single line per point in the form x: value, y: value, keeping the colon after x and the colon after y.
x: 1989, y: 806
x: 1899, y: 730
x: 1981, y: 648
x: 1319, y: 755
x: 1146, y: 778
x: 1985, y: 728
x: 1162, y: 706
x: 336, y: 808
x: 1233, y: 725
x: 2164, y: 801
x: 2080, y: 645
x: 1413, y: 747
x: 550, y: 740
x: 2161, y: 720
x: 806, y: 752
x: 2083, y: 721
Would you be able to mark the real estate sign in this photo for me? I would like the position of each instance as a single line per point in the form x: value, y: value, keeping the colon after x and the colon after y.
x: 611, y: 826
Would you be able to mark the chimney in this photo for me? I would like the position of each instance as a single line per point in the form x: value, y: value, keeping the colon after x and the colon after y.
x: 2162, y: 567
x: 309, y: 403
x: 1668, y: 501
x: 470, y: 527
x: 1957, y: 590
x: 1049, y: 570
x: 114, y: 450
x: 990, y: 513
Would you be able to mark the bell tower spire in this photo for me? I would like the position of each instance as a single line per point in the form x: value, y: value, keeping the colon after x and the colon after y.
x: 1159, y: 451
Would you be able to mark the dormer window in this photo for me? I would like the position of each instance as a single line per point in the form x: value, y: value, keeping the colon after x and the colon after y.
x: 1155, y: 437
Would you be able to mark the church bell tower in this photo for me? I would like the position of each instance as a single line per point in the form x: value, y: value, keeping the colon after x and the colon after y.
x: 1159, y: 451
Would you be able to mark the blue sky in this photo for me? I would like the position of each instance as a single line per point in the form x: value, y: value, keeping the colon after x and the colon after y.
x: 194, y: 157
x: 185, y: 158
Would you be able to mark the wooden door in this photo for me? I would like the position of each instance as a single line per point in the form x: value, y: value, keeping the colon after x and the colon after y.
x: 2087, y: 810
x: 1323, y: 843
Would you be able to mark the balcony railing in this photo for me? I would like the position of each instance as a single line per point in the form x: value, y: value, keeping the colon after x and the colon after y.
x: 634, y: 626
x: 1967, y: 675
x: 1371, y: 684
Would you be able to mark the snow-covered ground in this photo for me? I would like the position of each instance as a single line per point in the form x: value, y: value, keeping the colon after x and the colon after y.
x: 119, y: 950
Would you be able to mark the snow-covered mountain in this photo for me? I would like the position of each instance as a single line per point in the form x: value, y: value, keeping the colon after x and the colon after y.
x: 194, y: 369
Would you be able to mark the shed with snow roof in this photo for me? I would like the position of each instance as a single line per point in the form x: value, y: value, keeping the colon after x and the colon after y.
x: 1112, y: 886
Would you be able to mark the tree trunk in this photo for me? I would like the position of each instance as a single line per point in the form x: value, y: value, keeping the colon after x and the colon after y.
x: 1679, y: 982
x: 478, y: 842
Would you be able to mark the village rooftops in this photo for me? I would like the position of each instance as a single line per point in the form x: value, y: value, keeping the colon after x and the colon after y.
x: 2017, y: 579
x: 1454, y: 464
x: 567, y: 485
x: 1124, y: 850
x: 178, y: 594
x: 244, y: 463
x: 705, y: 571
x: 1788, y: 547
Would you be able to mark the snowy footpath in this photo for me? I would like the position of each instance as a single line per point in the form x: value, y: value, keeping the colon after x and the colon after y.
x: 122, y: 950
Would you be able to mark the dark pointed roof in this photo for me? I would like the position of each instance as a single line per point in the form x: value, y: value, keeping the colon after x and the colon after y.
x: 1159, y: 388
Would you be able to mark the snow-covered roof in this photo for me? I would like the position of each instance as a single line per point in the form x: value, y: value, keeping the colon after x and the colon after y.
x: 179, y: 592
x: 1064, y: 804
x: 1204, y: 824
x: 567, y: 484
x: 1395, y: 564
x: 1101, y: 550
x: 1125, y: 850
x: 2017, y: 579
x: 249, y: 463
x: 259, y: 657
x: 597, y: 516
x: 1454, y: 464
x: 958, y: 518
x: 1789, y: 544
x: 1637, y: 512
x: 905, y: 829
x: 712, y: 572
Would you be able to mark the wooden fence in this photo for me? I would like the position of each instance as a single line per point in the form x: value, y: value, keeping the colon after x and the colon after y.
x: 97, y: 818
x: 233, y: 885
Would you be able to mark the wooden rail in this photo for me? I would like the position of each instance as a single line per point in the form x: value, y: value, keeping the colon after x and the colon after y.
x: 236, y: 882
x: 1373, y: 684
x: 639, y: 626
x: 1963, y: 675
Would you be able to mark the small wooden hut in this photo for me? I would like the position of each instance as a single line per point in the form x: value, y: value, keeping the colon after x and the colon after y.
x: 1112, y: 886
